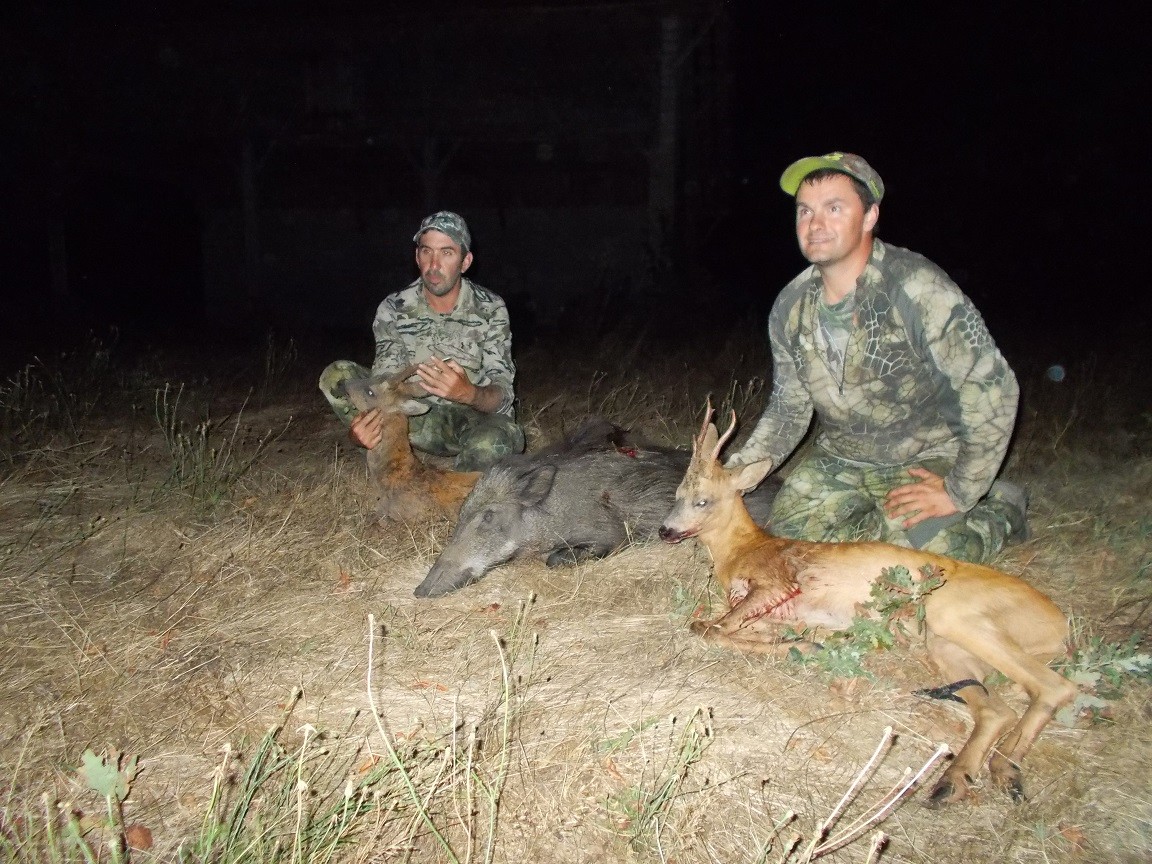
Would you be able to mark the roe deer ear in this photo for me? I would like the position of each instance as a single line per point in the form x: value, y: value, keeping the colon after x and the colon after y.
x: 399, y: 383
x: 747, y: 477
x: 412, y: 407
x: 411, y: 389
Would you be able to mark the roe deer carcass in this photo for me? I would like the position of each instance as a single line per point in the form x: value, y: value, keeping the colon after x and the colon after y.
x: 409, y: 490
x: 978, y: 620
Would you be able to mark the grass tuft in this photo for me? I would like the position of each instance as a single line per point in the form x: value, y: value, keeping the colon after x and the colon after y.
x: 207, y: 460
x: 641, y: 809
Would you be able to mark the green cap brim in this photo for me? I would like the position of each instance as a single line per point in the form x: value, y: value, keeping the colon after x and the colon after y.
x: 795, y: 173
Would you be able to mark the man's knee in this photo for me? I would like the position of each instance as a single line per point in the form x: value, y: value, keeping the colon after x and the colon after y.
x: 980, y: 537
x: 961, y: 542
x: 1008, y: 502
x: 434, y: 432
x: 332, y: 385
x: 922, y: 533
x: 804, y: 512
x: 999, y: 518
x: 489, y: 441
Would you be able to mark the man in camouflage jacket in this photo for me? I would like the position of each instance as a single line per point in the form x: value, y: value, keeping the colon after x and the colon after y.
x: 458, y: 335
x: 914, y: 402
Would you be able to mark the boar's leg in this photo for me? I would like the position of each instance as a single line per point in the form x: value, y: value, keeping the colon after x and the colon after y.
x: 570, y: 555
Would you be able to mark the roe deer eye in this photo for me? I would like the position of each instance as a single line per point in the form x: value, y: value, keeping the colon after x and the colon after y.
x: 700, y: 502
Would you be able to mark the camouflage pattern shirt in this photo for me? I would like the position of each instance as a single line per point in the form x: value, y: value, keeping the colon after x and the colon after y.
x: 476, y: 334
x: 920, y: 379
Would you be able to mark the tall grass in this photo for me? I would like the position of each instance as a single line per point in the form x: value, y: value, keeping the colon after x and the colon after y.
x: 54, y: 397
x: 206, y: 460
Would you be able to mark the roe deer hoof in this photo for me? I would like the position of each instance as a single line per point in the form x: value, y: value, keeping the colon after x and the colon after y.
x: 1014, y: 786
x: 947, y: 791
x: 941, y: 795
x: 700, y: 628
x: 1016, y: 792
x: 1007, y: 775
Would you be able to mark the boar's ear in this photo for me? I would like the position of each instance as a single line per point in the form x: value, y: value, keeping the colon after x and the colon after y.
x: 748, y: 477
x: 534, y: 484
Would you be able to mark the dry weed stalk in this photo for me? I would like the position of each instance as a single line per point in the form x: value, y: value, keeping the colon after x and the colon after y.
x: 454, y: 771
x: 208, y: 471
x: 822, y: 844
x: 646, y: 806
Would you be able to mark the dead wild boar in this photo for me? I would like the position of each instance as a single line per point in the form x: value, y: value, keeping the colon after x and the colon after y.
x: 566, y: 507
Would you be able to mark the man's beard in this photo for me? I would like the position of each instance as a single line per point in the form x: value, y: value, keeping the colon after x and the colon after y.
x: 443, y: 288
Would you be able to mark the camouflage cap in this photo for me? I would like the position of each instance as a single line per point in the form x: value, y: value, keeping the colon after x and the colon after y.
x: 847, y: 163
x: 447, y: 222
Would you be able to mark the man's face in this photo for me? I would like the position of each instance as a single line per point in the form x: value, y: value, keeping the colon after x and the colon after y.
x: 440, y: 262
x: 831, y: 223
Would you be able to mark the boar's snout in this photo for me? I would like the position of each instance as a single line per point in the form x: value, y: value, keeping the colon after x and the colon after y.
x: 438, y: 583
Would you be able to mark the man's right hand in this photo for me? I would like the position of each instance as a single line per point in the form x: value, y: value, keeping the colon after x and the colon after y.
x: 365, y: 429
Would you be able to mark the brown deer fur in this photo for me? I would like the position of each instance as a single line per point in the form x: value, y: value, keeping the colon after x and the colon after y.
x: 978, y: 620
x: 409, y: 490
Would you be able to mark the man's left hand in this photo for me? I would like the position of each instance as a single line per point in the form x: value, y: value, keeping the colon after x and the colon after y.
x: 446, y: 379
x: 924, y: 499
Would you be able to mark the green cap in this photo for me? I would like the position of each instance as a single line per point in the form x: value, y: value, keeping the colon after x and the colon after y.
x: 447, y: 222
x: 846, y: 163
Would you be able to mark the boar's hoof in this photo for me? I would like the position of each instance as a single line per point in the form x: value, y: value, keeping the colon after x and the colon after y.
x: 567, y: 556
x: 562, y: 557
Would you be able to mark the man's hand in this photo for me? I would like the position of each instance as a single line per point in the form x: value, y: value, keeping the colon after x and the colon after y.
x: 921, y: 500
x: 447, y: 379
x: 365, y: 429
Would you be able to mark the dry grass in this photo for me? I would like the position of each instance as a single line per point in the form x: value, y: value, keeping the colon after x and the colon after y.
x: 564, y: 715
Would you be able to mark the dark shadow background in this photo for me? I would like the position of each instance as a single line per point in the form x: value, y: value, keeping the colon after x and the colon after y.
x: 1011, y: 141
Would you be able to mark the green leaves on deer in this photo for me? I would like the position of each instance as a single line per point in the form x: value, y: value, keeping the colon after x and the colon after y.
x: 897, y: 596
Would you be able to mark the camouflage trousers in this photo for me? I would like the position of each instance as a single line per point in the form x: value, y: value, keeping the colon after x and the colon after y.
x: 476, y: 439
x: 828, y: 499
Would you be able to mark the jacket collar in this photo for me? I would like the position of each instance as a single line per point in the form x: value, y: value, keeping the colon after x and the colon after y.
x: 871, y: 276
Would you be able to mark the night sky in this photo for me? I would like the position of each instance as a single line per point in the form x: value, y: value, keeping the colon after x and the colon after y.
x: 1003, y: 134
x: 1009, y: 139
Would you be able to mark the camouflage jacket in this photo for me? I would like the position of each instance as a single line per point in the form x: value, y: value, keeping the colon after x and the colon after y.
x: 922, y: 378
x: 476, y: 334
